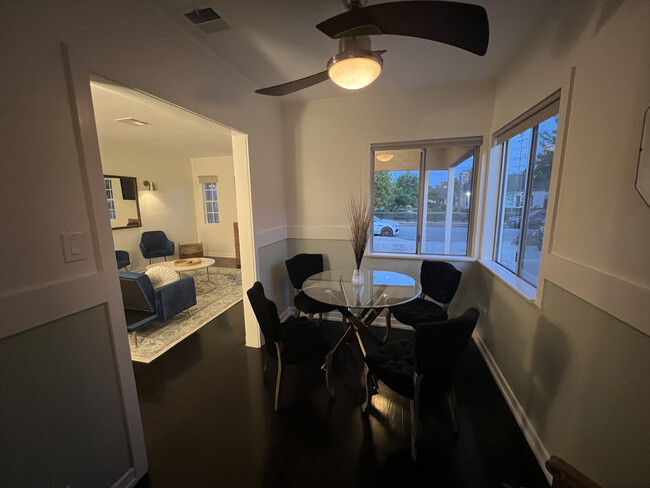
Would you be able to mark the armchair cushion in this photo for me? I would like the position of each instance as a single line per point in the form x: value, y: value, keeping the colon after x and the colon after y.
x: 309, y: 305
x: 394, y: 363
x: 418, y: 311
x: 303, y: 339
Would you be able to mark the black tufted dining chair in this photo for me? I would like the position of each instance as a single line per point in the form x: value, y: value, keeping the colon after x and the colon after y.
x: 300, y: 267
x: 439, y: 281
x: 296, y: 340
x: 427, y: 361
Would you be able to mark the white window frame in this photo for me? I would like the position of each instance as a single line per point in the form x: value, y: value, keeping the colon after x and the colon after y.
x: 204, y: 190
x: 476, y: 141
x: 110, y: 198
x: 532, y: 118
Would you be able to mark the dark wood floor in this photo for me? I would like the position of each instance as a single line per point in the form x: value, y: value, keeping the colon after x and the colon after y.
x: 208, y: 421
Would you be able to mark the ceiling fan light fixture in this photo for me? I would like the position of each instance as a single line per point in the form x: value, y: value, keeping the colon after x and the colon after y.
x: 355, y: 72
x: 356, y: 65
x: 384, y: 157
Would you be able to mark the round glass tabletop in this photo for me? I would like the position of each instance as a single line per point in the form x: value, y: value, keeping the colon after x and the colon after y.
x: 378, y: 288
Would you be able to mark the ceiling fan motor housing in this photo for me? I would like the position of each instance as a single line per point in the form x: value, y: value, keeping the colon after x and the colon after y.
x: 354, y: 47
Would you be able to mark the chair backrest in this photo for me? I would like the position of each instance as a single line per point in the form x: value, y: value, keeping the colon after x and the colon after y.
x: 154, y: 239
x: 439, y: 280
x: 122, y: 258
x: 137, y: 292
x: 439, y: 347
x: 266, y: 313
x: 302, y: 266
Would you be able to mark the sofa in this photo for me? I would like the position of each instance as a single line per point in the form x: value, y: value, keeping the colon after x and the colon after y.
x: 143, y: 303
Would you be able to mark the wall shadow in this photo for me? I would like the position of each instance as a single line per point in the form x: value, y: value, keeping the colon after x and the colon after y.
x: 550, y: 357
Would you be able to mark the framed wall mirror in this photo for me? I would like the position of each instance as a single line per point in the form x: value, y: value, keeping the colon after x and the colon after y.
x: 122, y: 200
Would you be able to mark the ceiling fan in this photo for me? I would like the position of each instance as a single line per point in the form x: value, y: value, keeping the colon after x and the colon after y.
x: 356, y: 65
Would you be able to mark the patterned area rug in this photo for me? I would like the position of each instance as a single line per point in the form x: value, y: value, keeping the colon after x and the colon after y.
x: 158, y: 337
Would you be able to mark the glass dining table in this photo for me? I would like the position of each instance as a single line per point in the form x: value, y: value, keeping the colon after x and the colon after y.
x: 362, y: 302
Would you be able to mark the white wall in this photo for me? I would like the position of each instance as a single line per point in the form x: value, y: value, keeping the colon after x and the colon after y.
x: 170, y: 208
x: 576, y: 372
x: 218, y: 238
x: 328, y: 144
x: 45, y: 125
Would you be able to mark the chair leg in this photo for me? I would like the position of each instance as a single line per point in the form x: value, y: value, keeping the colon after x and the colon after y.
x: 278, y: 380
x: 135, y: 338
x: 297, y: 314
x: 366, y: 379
x: 311, y: 316
x: 329, y: 359
x: 388, y: 325
x: 149, y: 260
x: 320, y: 316
x: 415, y: 416
x: 453, y: 409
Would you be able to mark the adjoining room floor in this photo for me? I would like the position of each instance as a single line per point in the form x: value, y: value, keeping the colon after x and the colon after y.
x: 208, y: 421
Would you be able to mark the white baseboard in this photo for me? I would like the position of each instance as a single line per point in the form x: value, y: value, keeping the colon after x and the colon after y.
x: 218, y: 255
x: 535, y: 443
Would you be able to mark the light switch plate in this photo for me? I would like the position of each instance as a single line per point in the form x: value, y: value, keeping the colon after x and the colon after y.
x: 74, y: 246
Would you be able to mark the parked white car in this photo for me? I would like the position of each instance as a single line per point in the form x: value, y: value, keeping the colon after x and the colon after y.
x: 386, y: 228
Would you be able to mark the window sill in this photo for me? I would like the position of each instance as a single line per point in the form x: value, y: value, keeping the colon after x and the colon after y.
x: 525, y: 290
x: 421, y: 257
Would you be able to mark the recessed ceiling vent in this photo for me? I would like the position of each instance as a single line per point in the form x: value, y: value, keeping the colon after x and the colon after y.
x: 207, y: 20
x: 132, y: 121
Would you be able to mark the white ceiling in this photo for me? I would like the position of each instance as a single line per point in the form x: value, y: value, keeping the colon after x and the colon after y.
x: 171, y: 130
x: 272, y: 42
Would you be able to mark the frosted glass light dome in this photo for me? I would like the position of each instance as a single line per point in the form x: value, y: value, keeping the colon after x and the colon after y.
x: 354, y: 73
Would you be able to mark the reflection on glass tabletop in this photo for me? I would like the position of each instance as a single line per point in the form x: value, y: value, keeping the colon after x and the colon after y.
x: 379, y: 288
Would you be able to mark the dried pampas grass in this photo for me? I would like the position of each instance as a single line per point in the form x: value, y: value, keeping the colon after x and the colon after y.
x: 359, y: 216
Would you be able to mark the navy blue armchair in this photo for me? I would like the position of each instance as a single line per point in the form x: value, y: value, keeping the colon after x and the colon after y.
x: 123, y: 259
x: 143, y: 303
x: 154, y: 244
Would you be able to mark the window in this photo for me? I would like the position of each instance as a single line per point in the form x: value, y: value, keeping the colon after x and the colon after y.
x: 527, y: 157
x: 108, y: 185
x: 422, y: 196
x: 210, y: 203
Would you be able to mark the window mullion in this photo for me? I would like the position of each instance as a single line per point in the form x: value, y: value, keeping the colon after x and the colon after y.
x: 449, y: 208
x: 424, y: 199
x: 501, y: 209
x: 526, y: 203
x: 421, y: 214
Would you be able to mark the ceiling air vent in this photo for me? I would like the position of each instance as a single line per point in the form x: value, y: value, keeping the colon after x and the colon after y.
x: 207, y: 20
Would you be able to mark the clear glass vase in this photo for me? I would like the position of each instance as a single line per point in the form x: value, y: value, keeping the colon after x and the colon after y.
x: 357, y: 276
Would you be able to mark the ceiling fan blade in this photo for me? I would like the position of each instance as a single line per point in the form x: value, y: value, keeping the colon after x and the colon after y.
x: 294, y: 86
x: 461, y: 25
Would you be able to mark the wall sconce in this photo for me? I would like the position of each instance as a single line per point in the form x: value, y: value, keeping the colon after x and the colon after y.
x: 149, y: 185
